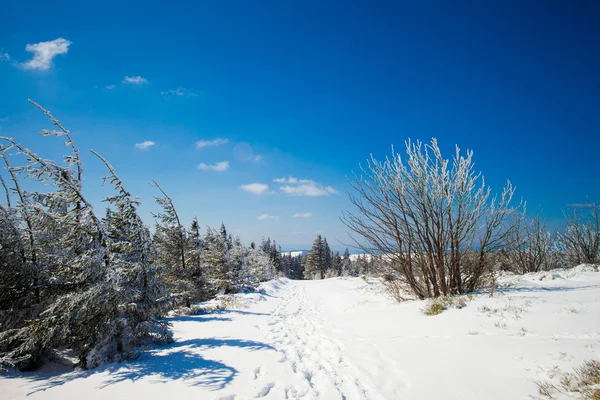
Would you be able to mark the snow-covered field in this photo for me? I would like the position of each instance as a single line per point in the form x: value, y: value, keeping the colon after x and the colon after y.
x: 342, y: 338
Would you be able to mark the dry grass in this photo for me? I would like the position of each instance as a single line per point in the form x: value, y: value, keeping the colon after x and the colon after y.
x: 440, y: 304
x: 583, y: 382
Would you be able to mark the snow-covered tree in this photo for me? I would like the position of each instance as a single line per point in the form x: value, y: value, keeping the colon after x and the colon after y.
x: 171, y: 241
x: 327, y: 257
x: 580, y: 243
x: 195, y: 262
x: 346, y: 263
x: 429, y: 215
x: 531, y: 247
x: 215, y: 260
x: 238, y: 272
x: 337, y: 264
x: 260, y: 266
x: 315, y: 261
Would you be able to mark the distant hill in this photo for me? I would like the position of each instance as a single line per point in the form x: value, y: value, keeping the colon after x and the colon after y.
x: 295, y: 253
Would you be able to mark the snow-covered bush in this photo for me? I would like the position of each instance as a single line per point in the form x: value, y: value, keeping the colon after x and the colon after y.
x: 426, y: 213
x: 580, y: 243
x: 531, y: 248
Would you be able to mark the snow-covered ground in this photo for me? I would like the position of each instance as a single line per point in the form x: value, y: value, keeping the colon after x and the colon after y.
x: 343, y: 339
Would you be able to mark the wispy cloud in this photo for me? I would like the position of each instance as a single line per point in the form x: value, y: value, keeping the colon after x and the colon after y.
x: 255, y: 188
x: 244, y: 152
x: 135, y: 80
x: 44, y: 53
x: 200, y: 144
x: 266, y: 216
x: 289, y: 179
x: 219, y: 167
x: 303, y: 187
x: 180, y: 92
x: 302, y: 215
x: 4, y: 57
x: 145, y: 145
x: 110, y: 87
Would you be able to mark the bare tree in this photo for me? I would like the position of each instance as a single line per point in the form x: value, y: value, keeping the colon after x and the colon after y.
x: 435, y: 219
x: 581, y: 241
x: 530, y: 248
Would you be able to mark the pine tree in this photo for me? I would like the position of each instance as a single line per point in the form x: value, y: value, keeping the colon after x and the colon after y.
x: 327, y: 259
x: 237, y: 273
x: 337, y: 265
x: 195, y: 257
x: 225, y: 237
x: 215, y: 260
x: 315, y: 261
x: 260, y: 266
x: 137, y: 280
x: 346, y: 263
x: 170, y: 238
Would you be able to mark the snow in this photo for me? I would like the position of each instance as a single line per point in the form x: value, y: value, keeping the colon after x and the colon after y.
x: 295, y: 253
x: 342, y: 338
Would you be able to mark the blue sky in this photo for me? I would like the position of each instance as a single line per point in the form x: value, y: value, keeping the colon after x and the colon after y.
x: 306, y: 90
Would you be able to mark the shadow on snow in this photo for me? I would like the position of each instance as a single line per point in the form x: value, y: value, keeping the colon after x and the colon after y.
x: 181, y: 360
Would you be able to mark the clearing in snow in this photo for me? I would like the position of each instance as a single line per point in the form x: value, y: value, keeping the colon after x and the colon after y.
x: 342, y: 338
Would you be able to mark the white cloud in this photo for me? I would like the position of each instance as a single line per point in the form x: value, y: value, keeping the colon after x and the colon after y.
x: 145, y: 145
x: 110, y: 87
x: 302, y: 215
x: 266, y: 216
x: 289, y: 179
x: 200, y: 144
x: 180, y: 92
x: 4, y: 57
x: 135, y: 80
x: 303, y: 187
x: 44, y: 52
x: 255, y: 188
x: 219, y: 167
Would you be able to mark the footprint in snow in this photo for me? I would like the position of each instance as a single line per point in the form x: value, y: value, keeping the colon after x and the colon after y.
x: 266, y: 389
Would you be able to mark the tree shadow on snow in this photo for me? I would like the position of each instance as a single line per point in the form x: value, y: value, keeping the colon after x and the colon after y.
x: 199, y: 318
x: 241, y: 312
x: 179, y: 361
x: 182, y: 361
x: 533, y: 289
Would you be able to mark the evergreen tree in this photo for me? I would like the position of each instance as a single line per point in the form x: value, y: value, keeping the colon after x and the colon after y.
x: 315, y: 261
x: 346, y: 263
x: 215, y: 260
x: 327, y: 258
x: 225, y: 237
x: 237, y: 273
x: 259, y: 265
x: 195, y: 261
x: 170, y: 238
x: 337, y: 264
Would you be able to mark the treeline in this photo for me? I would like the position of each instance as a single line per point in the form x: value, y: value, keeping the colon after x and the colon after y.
x: 322, y: 263
x: 99, y: 284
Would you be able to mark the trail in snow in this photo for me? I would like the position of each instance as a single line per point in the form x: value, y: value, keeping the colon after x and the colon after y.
x: 297, y: 331
x: 343, y: 339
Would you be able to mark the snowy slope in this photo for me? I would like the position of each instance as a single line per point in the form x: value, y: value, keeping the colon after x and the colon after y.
x: 343, y: 339
x: 295, y: 253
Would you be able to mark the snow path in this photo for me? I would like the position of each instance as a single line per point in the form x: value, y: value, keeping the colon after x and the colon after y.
x: 298, y: 331
x: 342, y: 339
